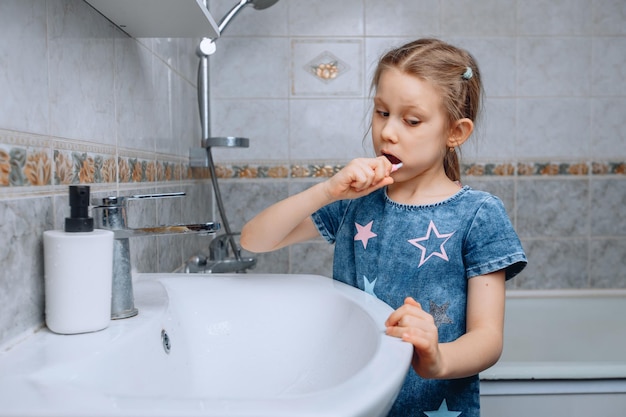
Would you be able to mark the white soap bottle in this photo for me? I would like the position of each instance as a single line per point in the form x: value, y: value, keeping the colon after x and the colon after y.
x: 78, y: 264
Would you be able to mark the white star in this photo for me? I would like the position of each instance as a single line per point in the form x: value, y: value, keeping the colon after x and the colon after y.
x: 443, y: 411
x: 368, y: 286
x: 364, y: 233
x: 426, y: 239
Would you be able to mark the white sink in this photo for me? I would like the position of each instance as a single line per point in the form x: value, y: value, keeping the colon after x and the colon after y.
x: 239, y: 345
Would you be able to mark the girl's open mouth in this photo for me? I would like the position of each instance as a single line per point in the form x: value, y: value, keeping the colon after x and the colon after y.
x: 394, y: 160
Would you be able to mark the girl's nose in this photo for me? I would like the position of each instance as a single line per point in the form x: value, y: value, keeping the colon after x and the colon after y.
x: 388, y: 132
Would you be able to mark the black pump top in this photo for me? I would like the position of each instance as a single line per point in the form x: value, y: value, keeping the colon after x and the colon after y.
x: 79, y: 220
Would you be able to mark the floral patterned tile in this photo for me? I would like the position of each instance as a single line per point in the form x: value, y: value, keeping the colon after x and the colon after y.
x: 36, y: 161
x: 83, y: 168
x: 33, y: 166
x: 25, y: 166
x: 489, y: 169
x: 553, y: 168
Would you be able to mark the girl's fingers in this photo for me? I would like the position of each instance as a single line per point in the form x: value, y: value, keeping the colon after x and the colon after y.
x: 411, y: 301
x: 410, y: 308
x: 360, y: 177
x: 370, y: 174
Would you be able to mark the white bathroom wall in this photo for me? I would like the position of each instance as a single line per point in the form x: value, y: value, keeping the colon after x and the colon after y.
x: 81, y: 102
x: 551, y: 69
x: 551, y: 143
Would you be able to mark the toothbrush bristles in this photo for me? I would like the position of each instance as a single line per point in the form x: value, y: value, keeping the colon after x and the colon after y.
x: 396, y: 167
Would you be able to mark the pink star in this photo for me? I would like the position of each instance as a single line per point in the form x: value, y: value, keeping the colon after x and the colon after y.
x: 438, y: 236
x: 364, y: 233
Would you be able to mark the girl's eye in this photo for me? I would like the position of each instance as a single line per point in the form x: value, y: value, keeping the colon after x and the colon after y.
x: 412, y: 122
x: 382, y: 113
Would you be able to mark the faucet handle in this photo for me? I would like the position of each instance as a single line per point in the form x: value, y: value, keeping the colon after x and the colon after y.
x: 158, y: 195
x: 115, y: 201
x: 111, y: 214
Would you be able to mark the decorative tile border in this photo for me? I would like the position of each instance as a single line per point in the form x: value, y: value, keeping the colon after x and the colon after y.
x: 522, y: 169
x: 36, y: 161
x: 28, y: 160
x: 33, y: 166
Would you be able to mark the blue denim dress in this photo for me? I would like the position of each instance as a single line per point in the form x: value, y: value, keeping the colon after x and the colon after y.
x: 428, y: 252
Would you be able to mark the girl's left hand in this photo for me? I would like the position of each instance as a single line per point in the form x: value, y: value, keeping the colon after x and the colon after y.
x: 412, y: 324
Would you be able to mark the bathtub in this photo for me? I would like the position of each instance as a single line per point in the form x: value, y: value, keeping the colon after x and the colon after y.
x: 564, y: 355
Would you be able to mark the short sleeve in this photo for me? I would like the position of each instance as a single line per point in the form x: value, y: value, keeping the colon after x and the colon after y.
x: 329, y: 219
x: 491, y: 243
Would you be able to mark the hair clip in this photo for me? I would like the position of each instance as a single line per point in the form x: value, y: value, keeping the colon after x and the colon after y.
x: 468, y: 73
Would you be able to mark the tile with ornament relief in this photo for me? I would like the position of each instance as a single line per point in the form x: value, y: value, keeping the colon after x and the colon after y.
x: 327, y: 67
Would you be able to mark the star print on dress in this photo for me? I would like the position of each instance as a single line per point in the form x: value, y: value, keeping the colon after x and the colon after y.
x: 431, y: 240
x: 368, y: 286
x: 364, y: 233
x: 443, y: 411
x: 440, y: 313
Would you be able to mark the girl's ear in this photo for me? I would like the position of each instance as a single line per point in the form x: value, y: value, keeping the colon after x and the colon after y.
x: 460, y: 132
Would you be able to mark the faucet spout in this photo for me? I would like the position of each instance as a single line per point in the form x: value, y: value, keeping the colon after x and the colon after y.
x: 111, y: 215
x: 176, y: 229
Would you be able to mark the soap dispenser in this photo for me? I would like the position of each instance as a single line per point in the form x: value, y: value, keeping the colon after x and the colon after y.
x: 78, y: 263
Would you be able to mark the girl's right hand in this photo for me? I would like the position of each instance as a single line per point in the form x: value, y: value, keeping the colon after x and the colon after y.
x: 359, y: 178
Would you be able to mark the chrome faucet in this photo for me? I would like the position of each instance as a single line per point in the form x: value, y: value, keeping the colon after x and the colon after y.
x: 111, y: 215
x: 219, y: 260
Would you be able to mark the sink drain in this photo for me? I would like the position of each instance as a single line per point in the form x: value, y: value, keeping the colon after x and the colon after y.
x: 165, y: 339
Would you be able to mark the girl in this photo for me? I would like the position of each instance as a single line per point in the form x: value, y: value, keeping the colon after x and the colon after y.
x: 406, y: 232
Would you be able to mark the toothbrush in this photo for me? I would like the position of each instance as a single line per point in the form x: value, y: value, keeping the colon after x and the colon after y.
x: 396, y: 167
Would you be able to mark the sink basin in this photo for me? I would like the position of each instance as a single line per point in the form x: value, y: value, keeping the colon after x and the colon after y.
x: 218, y: 345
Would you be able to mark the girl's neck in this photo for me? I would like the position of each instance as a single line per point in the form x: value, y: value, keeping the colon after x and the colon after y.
x: 421, y: 191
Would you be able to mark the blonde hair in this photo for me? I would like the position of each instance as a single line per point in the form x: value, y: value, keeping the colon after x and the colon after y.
x: 451, y: 70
